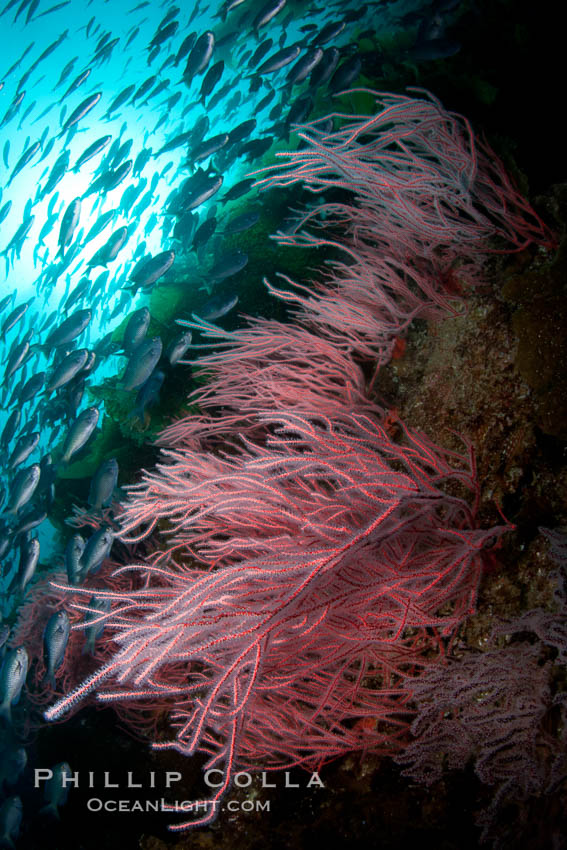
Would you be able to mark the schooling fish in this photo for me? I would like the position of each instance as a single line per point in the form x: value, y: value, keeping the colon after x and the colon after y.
x: 55, y: 640
x: 228, y: 266
x: 199, y: 57
x: 57, y: 173
x: 29, y: 558
x: 152, y: 270
x: 80, y: 432
x: 103, y: 484
x: 56, y: 789
x: 12, y: 110
x: 23, y: 487
x: 73, y: 552
x: 26, y: 157
x: 216, y: 307
x: 12, y: 678
x: 82, y: 109
x: 78, y: 81
x: 141, y: 363
x: 269, y: 11
x: 136, y: 329
x: 91, y: 151
x: 69, y: 225
x: 69, y: 329
x: 97, y: 548
x: 279, y: 60
x: 178, y: 347
x: 109, y: 251
x: 67, y: 369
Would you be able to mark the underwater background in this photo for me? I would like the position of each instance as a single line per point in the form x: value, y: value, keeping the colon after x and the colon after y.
x: 139, y: 200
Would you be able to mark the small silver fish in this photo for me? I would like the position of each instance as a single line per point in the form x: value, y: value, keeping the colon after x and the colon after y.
x: 55, y: 640
x: 12, y: 678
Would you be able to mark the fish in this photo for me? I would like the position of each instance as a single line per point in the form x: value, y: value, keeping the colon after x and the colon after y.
x: 57, y: 173
x: 147, y: 395
x: 204, y: 233
x: 99, y: 225
x: 14, y: 317
x: 210, y: 79
x: 77, y: 83
x: 432, y: 49
x: 195, y: 191
x: 23, y: 487
x: 13, y: 109
x: 79, y: 433
x: 10, y: 821
x: 143, y: 88
x: 5, y: 210
x: 67, y: 369
x: 109, y: 251
x: 141, y: 363
x: 176, y: 142
x: 278, y: 60
x: 141, y: 161
x: 199, y: 56
x: 163, y: 33
x: 163, y: 85
x: 54, y: 8
x: 68, y: 225
x: 325, y: 68
x: 209, y: 147
x: 152, y: 270
x: 97, y: 548
x: 185, y: 48
x: 241, y: 222
x: 304, y: 66
x: 267, y: 12
x: 131, y: 37
x: 55, y: 639
x: 10, y: 427
x: 228, y: 266
x: 136, y: 329
x: 227, y: 7
x: 92, y: 150
x: 17, y: 357
x: 12, y: 677
x: 346, y: 74
x: 25, y: 158
x: 69, y: 329
x: 103, y: 484
x: 238, y: 189
x: 82, y: 109
x: 260, y: 52
x: 29, y: 558
x: 178, y: 347
x: 73, y: 553
x: 241, y: 131
x: 329, y: 32
x: 216, y: 307
x: 31, y: 388
x: 99, y: 606
x: 56, y: 789
x: 13, y: 761
x: 25, y: 445
x: 105, y: 52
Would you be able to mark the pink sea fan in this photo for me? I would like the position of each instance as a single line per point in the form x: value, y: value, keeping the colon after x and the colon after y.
x: 267, y: 365
x: 422, y: 185
x: 334, y: 549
